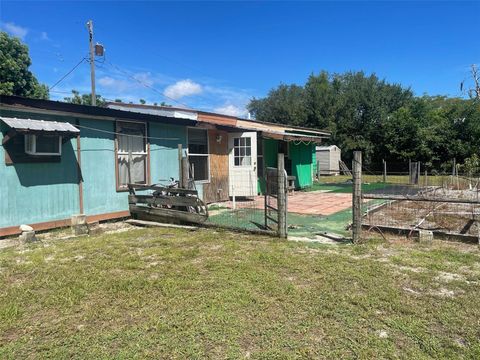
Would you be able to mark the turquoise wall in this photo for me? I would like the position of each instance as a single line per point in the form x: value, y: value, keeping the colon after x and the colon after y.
x: 164, y: 152
x: 39, y: 192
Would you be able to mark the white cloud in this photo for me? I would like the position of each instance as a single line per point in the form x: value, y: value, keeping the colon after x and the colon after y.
x: 107, y: 81
x: 231, y: 110
x: 44, y: 36
x: 15, y: 30
x: 183, y: 88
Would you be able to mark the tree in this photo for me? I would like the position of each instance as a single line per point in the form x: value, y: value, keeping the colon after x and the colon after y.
x: 15, y: 77
x: 384, y: 120
x: 142, y: 101
x: 84, y: 99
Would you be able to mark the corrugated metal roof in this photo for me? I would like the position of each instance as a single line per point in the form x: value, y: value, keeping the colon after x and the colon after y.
x: 39, y: 125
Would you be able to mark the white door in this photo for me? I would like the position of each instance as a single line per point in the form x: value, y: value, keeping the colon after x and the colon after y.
x: 242, y: 156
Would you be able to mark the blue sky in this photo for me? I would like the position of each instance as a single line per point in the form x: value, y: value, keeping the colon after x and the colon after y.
x: 216, y: 56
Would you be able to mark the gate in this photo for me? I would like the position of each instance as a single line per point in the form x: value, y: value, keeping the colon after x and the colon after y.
x: 276, y: 199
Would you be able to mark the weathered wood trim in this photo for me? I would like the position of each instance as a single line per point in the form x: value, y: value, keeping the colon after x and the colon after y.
x: 10, y: 134
x: 14, y: 230
x: 119, y: 188
x: 162, y: 188
x: 163, y: 200
x: 174, y: 216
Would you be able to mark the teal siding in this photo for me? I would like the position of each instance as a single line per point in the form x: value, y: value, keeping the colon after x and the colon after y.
x: 98, y: 169
x: 164, y: 152
x: 38, y: 192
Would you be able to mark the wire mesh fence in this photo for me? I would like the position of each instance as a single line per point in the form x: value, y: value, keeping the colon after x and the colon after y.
x: 247, y: 210
x: 411, y: 201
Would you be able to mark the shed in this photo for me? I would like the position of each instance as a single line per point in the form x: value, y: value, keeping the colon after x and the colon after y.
x: 328, y: 160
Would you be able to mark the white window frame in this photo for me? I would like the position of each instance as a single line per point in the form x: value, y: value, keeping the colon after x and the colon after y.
x: 207, y: 154
x: 33, y: 150
x: 123, y: 153
x: 250, y: 156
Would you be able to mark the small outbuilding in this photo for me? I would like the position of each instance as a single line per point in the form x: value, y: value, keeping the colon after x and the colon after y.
x: 328, y: 160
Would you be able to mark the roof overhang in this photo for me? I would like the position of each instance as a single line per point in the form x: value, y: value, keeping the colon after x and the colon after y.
x: 40, y: 106
x: 29, y: 126
x: 292, y: 137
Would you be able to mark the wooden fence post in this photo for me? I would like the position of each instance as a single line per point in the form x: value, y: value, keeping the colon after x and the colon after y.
x: 357, y: 196
x: 281, y: 197
x: 180, y: 171
x: 185, y: 173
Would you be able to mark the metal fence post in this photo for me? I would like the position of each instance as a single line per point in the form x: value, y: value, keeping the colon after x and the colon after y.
x: 384, y: 171
x: 281, y: 197
x: 357, y: 196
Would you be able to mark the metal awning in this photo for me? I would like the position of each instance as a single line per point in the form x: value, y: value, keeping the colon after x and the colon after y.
x: 292, y: 137
x: 29, y: 125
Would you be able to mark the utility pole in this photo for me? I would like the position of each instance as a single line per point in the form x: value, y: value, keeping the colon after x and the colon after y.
x: 92, y: 61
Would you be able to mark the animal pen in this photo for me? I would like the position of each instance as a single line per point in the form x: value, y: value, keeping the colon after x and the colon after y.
x: 410, y: 202
x: 265, y: 213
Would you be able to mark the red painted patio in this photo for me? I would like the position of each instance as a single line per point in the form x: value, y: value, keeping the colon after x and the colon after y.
x: 307, y: 203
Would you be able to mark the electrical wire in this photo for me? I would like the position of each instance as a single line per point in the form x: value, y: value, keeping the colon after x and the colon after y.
x: 145, y: 85
x: 68, y: 73
x: 122, y: 134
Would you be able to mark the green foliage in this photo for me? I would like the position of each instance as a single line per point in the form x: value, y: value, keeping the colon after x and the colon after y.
x: 16, y: 78
x: 472, y: 165
x: 385, y: 121
x: 85, y: 99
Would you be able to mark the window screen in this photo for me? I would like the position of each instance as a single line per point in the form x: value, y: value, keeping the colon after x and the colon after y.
x: 131, y: 153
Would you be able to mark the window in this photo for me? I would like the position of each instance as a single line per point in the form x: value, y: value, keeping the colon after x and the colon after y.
x: 43, y: 144
x: 131, y: 153
x: 198, y: 154
x: 242, y: 151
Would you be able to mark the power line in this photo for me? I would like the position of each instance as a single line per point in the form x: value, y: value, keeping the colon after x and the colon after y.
x: 68, y: 73
x: 122, y: 134
x: 145, y: 85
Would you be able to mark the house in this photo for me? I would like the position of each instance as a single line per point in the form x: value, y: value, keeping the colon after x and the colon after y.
x: 239, y: 150
x: 59, y: 159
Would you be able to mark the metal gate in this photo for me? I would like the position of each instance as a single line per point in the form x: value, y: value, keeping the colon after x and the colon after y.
x: 276, y: 201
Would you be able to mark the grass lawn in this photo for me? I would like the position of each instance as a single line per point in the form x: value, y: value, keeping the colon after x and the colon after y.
x: 346, y: 188
x: 171, y: 293
x: 377, y: 180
